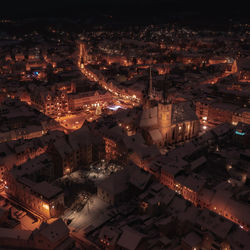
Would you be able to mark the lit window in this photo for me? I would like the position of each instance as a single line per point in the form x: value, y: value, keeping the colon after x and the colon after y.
x: 46, y: 206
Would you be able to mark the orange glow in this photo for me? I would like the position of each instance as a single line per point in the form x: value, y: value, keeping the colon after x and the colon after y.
x: 46, y: 206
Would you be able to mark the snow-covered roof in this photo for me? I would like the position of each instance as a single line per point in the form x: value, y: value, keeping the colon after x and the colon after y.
x: 155, y: 135
x: 55, y: 231
x: 130, y: 238
x: 47, y: 190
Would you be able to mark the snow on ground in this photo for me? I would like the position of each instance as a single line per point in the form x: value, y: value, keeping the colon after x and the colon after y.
x: 93, y: 213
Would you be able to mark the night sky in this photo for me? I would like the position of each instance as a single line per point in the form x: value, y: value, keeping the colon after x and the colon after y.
x: 153, y: 10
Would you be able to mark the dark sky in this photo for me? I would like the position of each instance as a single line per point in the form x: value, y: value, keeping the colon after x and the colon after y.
x: 134, y: 9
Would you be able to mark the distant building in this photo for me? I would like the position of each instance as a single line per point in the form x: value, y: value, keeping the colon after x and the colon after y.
x: 244, y: 69
x: 242, y: 135
x: 242, y: 115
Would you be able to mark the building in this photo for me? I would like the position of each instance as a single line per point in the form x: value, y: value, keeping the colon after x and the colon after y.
x: 89, y: 99
x: 166, y: 122
x: 221, y: 112
x: 114, y: 189
x: 244, y: 69
x: 169, y: 123
x: 47, y: 236
x: 242, y: 115
x: 75, y: 151
x: 28, y: 183
x: 50, y: 103
x: 131, y: 239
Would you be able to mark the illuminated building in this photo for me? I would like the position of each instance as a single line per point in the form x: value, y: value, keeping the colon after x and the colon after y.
x: 108, y: 237
x: 111, y: 149
x: 242, y: 115
x: 221, y: 112
x: 19, y: 57
x: 169, y: 123
x: 202, y: 109
x: 209, y: 111
x: 50, y: 103
x: 84, y: 56
x: 22, y: 184
x: 243, y: 69
x: 79, y: 101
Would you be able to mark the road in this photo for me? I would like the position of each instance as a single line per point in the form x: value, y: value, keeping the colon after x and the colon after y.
x: 17, y: 203
x: 92, y: 77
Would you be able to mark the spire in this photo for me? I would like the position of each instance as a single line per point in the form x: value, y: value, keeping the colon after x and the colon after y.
x: 164, y: 94
x: 150, y: 82
x: 165, y: 97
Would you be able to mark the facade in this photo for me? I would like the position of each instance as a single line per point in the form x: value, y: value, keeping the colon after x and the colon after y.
x: 75, y: 151
x: 242, y: 115
x: 50, y: 103
x: 202, y: 110
x: 217, y: 113
x: 114, y: 189
x: 86, y: 99
x: 243, y: 69
x: 54, y: 102
x: 169, y: 123
x: 221, y: 112
x: 23, y: 183
x: 114, y: 149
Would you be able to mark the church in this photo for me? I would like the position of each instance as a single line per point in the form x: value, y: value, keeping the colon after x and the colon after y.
x: 165, y: 123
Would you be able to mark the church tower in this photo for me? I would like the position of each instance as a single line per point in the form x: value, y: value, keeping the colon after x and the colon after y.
x: 164, y: 113
x: 150, y: 90
x: 148, y: 96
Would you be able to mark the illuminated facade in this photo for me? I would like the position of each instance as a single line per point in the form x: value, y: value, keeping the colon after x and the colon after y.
x: 21, y: 182
x: 241, y: 116
x: 243, y: 69
x: 169, y: 123
x: 111, y: 149
x: 217, y: 113
x: 50, y: 103
x: 88, y: 99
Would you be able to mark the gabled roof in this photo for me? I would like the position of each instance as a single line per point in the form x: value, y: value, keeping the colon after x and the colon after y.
x: 130, y: 239
x: 55, y: 231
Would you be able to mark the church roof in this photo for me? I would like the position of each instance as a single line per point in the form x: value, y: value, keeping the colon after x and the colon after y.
x: 182, y: 112
x: 156, y: 135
